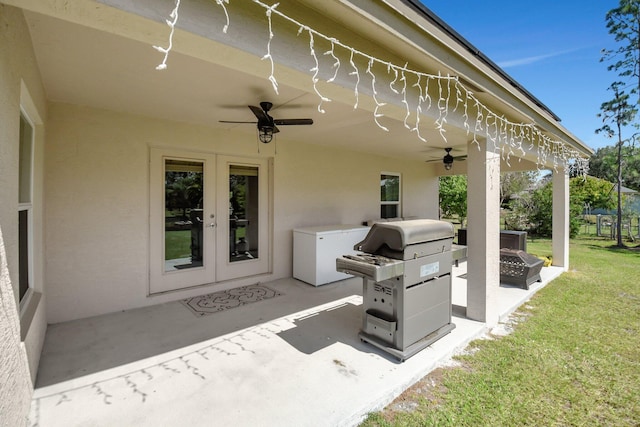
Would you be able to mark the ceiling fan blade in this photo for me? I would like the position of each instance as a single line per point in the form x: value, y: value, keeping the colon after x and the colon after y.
x: 286, y: 122
x: 259, y: 113
x: 233, y: 121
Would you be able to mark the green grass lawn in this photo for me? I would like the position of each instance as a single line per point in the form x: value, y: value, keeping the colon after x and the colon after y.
x: 177, y: 244
x: 574, y: 360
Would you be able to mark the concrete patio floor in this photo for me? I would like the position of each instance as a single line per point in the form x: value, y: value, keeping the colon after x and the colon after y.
x: 294, y: 360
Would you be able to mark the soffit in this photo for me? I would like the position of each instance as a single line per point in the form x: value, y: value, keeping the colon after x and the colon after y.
x: 112, y: 66
x: 86, y: 66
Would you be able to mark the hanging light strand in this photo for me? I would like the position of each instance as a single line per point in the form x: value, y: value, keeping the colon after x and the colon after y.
x: 222, y: 4
x: 316, y: 70
x: 172, y: 24
x: 268, y: 56
x: 356, y: 73
x: 379, y: 104
x: 506, y: 136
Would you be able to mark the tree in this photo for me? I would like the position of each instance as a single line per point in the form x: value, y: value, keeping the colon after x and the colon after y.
x: 617, y: 114
x: 453, y: 194
x: 541, y: 213
x: 603, y: 164
x: 514, y: 183
x: 520, y: 212
x: 623, y: 23
x: 533, y: 211
x: 183, y: 191
x: 453, y: 197
x: 596, y: 192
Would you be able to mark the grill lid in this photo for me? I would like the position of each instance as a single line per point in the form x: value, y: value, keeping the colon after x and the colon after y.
x: 397, y: 236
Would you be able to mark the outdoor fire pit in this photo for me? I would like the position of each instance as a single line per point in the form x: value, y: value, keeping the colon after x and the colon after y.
x: 519, y: 268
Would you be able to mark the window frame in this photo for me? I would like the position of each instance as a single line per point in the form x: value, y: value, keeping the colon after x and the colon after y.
x: 26, y: 206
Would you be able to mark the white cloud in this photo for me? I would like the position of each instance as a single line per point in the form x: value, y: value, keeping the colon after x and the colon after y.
x: 531, y: 59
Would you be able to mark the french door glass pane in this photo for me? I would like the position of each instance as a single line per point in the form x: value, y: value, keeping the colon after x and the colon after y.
x: 243, y: 212
x: 183, y: 197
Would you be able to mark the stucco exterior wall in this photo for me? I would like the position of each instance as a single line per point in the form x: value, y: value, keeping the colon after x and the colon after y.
x: 318, y: 186
x: 97, y: 196
x: 18, y: 71
x: 15, y: 384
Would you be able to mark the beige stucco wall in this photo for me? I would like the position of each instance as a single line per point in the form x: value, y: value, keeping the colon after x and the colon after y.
x: 18, y: 75
x: 97, y: 196
x: 318, y: 186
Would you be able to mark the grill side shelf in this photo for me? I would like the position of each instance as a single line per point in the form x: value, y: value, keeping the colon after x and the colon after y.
x: 365, y: 266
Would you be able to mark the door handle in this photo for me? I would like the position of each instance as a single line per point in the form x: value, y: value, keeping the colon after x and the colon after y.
x: 212, y: 225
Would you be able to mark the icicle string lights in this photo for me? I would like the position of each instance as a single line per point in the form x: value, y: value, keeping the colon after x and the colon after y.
x: 268, y: 56
x: 316, y: 70
x: 172, y: 25
x: 357, y: 74
x: 507, y: 136
x: 371, y: 61
x: 222, y: 3
x: 379, y: 104
x: 336, y: 63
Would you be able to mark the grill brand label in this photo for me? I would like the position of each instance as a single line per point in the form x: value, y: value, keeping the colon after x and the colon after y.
x: 429, y: 269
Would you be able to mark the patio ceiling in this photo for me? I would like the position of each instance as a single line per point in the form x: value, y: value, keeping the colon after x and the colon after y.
x: 85, y: 66
x: 99, y: 53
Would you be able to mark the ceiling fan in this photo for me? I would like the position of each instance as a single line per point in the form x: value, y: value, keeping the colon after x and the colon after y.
x: 448, y: 159
x: 267, y: 125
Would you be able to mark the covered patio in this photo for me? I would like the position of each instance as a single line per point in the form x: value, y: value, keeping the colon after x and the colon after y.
x: 292, y: 360
x: 136, y: 173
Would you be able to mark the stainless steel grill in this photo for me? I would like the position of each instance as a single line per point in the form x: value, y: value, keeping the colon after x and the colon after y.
x: 406, y: 271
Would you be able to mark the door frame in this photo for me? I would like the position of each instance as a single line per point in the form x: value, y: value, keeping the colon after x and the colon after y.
x: 216, y: 266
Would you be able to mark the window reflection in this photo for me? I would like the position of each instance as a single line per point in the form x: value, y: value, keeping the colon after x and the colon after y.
x: 183, y: 214
x: 389, y: 196
x: 243, y: 213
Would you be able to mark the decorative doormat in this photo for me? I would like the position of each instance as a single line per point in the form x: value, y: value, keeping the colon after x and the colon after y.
x: 226, y: 300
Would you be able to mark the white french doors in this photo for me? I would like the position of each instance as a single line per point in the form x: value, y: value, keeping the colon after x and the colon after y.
x: 209, y: 218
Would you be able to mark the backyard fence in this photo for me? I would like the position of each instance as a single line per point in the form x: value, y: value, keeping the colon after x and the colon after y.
x: 607, y: 226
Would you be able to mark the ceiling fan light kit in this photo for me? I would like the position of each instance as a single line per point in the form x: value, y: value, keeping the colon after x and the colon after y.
x: 447, y: 159
x: 265, y: 135
x: 267, y: 124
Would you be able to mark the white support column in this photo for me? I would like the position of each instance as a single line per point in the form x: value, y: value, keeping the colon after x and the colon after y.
x: 483, y: 234
x: 560, y: 218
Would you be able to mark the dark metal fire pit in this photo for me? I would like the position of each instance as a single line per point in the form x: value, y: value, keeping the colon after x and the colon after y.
x: 519, y: 268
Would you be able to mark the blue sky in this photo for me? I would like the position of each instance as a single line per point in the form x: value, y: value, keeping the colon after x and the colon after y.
x: 552, y: 48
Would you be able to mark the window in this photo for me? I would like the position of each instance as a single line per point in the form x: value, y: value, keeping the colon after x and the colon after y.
x: 25, y: 207
x: 390, y: 195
